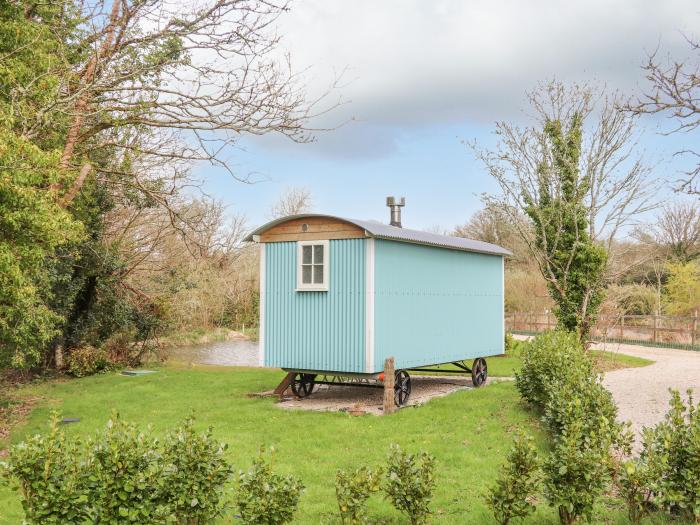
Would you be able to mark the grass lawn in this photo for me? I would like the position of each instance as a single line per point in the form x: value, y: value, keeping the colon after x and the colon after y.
x: 468, y: 432
x: 606, y: 361
x: 506, y: 365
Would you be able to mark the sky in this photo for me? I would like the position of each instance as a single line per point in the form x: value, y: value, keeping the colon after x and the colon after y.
x: 419, y: 78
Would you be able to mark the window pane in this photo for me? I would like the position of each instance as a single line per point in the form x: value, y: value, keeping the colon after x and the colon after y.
x: 318, y: 274
x: 306, y: 274
x: 318, y: 254
x: 306, y: 254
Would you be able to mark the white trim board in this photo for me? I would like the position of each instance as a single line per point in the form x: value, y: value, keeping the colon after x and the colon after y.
x: 261, y: 306
x: 503, y: 303
x: 369, y: 306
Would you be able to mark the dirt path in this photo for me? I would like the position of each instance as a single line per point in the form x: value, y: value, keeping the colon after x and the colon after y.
x: 642, y: 394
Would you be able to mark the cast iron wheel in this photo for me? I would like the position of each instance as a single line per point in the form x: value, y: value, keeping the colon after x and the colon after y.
x: 480, y: 372
x: 303, y: 384
x: 402, y: 388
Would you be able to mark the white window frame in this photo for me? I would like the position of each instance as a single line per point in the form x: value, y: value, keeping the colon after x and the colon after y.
x: 313, y: 287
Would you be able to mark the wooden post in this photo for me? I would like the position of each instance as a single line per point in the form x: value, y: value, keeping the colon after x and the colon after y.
x: 694, y: 331
x: 655, y: 326
x: 284, y: 385
x: 622, y: 327
x: 389, y: 405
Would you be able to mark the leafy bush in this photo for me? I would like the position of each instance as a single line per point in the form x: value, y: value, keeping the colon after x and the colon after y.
x: 634, y: 482
x: 586, y: 401
x: 121, y: 476
x: 517, y: 483
x: 558, y: 378
x: 554, y: 356
x: 266, y: 498
x: 51, y: 473
x: 128, y: 476
x: 194, y: 475
x: 578, y: 469
x: 410, y: 481
x: 352, y: 491
x: 672, y: 449
x: 87, y: 360
x: 508, y: 343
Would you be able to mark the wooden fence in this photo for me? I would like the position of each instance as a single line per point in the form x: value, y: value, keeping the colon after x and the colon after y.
x: 655, y: 330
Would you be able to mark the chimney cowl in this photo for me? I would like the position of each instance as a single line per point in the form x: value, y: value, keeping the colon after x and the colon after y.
x: 395, y: 206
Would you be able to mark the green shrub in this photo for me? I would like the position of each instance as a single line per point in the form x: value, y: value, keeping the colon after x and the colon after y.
x: 194, y: 475
x: 120, y: 476
x: 576, y: 401
x: 508, y: 345
x: 578, y: 469
x: 87, y: 360
x: 634, y: 481
x: 517, y: 483
x: 51, y: 475
x: 409, y: 484
x: 266, y: 498
x: 553, y: 356
x: 352, y: 491
x: 128, y: 476
x: 672, y: 449
x: 558, y: 378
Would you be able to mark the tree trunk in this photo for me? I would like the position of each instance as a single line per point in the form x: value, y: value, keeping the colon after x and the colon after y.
x: 566, y: 517
x: 58, y: 356
x: 80, y: 109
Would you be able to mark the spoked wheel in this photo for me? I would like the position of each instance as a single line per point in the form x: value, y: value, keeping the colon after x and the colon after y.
x: 303, y: 384
x: 402, y: 388
x: 480, y: 372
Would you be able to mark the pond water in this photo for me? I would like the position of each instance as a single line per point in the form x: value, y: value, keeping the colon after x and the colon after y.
x: 226, y: 353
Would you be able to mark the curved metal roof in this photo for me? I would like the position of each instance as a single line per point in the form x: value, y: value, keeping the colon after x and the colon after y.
x: 384, y: 231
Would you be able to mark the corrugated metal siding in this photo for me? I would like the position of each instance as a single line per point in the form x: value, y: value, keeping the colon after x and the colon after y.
x: 316, y: 330
x: 435, y: 305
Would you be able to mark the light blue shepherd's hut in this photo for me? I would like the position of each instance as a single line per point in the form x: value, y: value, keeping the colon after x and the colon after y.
x: 338, y: 296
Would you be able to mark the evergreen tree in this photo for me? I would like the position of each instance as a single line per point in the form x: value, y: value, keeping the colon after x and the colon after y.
x: 575, y: 264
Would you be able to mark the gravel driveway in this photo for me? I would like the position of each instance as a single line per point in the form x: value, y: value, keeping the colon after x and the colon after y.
x: 642, y: 394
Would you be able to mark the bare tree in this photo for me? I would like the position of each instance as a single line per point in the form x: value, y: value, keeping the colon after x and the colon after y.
x: 675, y: 92
x: 620, y: 185
x: 491, y: 224
x: 201, y: 276
x: 292, y: 202
x: 678, y: 227
x: 676, y: 232
x: 169, y: 81
x: 575, y: 173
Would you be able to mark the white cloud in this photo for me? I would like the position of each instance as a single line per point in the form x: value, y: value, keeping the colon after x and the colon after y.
x: 416, y: 61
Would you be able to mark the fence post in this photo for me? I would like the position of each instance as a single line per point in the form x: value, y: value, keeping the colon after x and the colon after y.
x: 655, y: 327
x: 694, y: 331
x: 549, y: 321
x: 389, y: 405
x: 622, y: 326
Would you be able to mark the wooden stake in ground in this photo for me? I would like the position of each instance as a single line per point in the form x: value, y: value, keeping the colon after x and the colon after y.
x: 389, y: 405
x: 284, y: 385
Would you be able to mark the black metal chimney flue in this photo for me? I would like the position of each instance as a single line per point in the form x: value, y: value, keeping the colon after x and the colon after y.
x: 395, y: 206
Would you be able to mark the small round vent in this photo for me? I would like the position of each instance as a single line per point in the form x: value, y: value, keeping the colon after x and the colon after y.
x: 304, y: 227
